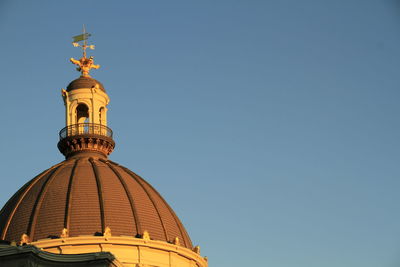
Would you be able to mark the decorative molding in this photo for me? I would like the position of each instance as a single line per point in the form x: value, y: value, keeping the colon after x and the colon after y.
x: 86, y: 142
x: 125, y: 248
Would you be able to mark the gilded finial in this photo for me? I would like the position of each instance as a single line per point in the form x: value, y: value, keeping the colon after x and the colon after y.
x: 64, y: 233
x: 24, y: 239
x: 146, y: 235
x: 197, y: 249
x: 84, y: 64
x: 176, y: 241
x: 107, y: 232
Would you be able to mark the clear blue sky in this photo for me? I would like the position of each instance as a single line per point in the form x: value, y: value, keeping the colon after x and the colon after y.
x: 271, y: 127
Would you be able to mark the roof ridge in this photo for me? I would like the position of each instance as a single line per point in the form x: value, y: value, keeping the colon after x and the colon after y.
x: 130, y: 198
x: 39, y: 200
x: 134, y: 176
x: 68, y: 202
x: 31, y: 183
x: 177, y: 221
x: 100, y: 194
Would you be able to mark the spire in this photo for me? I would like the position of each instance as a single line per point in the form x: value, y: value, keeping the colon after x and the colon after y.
x: 84, y: 64
x: 85, y: 103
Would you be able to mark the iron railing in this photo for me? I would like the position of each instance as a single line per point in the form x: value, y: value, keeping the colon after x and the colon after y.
x: 85, y: 128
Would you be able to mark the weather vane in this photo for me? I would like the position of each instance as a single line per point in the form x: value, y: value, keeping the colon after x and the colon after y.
x: 84, y: 64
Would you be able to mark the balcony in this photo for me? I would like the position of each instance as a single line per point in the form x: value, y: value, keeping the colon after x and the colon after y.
x: 86, y: 137
x: 85, y: 129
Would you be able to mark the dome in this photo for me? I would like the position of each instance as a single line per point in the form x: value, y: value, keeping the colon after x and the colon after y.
x: 85, y: 195
x: 84, y: 82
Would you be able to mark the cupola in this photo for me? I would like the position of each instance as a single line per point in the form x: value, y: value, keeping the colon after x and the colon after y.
x: 85, y: 101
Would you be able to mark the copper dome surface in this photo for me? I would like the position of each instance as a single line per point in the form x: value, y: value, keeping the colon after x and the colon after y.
x: 86, y: 195
x: 84, y: 82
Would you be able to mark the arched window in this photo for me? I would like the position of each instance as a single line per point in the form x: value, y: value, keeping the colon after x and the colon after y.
x: 82, y: 113
x: 102, y: 116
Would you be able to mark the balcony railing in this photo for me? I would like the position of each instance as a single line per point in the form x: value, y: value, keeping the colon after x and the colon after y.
x: 85, y: 128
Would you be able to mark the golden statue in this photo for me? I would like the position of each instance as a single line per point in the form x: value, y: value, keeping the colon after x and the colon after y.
x: 84, y: 65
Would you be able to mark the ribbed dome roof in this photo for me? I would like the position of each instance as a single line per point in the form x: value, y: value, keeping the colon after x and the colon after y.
x: 84, y: 82
x: 86, y: 195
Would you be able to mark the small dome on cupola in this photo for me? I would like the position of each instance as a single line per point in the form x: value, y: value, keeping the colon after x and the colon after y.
x: 84, y: 82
